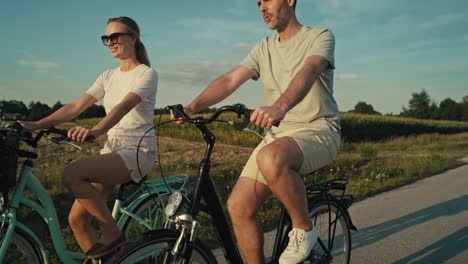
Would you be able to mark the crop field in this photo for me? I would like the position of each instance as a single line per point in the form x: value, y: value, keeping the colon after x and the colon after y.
x: 370, y: 166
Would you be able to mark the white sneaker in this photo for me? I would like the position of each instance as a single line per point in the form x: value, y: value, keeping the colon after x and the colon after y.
x: 299, y: 247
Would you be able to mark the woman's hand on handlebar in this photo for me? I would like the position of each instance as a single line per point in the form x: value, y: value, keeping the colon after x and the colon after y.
x: 267, y: 116
x: 81, y: 134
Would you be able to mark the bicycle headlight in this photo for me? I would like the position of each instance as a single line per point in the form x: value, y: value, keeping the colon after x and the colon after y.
x: 173, y: 203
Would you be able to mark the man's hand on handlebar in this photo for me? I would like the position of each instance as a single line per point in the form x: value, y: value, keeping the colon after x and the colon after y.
x: 267, y: 116
x: 178, y: 119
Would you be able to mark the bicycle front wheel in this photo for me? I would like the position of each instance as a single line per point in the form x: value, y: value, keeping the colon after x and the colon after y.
x: 333, y: 231
x: 157, y: 249
x: 21, y: 250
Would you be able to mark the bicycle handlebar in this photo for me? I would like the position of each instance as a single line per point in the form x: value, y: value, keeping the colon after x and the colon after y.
x: 27, y: 137
x: 239, y: 109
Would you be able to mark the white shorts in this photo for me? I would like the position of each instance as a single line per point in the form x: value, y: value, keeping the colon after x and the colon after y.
x: 127, y: 150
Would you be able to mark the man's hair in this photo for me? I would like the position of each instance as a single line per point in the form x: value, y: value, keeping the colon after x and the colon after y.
x: 294, y: 5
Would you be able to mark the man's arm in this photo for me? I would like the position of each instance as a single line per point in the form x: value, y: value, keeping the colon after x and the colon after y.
x: 299, y: 86
x: 219, y: 89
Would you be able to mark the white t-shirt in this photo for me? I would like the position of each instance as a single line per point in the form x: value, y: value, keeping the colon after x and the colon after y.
x: 113, y: 85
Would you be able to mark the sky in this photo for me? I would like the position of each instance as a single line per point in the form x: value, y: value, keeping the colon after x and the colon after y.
x: 385, y: 49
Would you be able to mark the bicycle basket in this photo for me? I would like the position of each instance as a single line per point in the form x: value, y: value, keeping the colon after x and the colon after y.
x: 9, y: 146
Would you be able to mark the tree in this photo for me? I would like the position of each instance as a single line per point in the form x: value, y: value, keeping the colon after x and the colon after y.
x: 449, y: 110
x: 57, y: 106
x: 364, y: 108
x: 464, y: 107
x: 38, y: 111
x: 420, y: 106
x: 93, y: 111
x: 14, y: 107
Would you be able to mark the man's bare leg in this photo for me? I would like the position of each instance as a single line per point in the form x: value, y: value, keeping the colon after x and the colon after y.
x: 244, y: 202
x: 279, y: 163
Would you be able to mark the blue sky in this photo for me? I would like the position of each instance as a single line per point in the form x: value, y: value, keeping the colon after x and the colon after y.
x: 385, y: 50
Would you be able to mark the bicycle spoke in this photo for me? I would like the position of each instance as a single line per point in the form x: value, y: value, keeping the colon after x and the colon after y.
x: 333, y: 234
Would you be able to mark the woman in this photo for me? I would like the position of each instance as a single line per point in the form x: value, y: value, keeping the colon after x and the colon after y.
x: 129, y: 95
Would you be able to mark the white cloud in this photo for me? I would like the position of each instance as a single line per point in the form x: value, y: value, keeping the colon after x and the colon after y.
x: 347, y: 76
x: 38, y: 64
x: 445, y: 19
x: 197, y: 73
x: 243, y: 46
x: 224, y: 29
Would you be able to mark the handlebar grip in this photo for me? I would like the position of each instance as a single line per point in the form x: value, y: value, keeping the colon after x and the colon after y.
x: 90, y: 139
x: 275, y: 124
x: 178, y: 111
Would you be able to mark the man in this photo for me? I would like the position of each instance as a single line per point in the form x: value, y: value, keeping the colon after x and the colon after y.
x: 296, y: 69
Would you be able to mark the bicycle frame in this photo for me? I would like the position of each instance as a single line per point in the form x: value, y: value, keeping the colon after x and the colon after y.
x: 205, y: 189
x: 46, y: 209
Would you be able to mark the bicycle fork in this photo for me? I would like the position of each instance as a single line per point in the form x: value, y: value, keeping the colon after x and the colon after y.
x: 187, y: 226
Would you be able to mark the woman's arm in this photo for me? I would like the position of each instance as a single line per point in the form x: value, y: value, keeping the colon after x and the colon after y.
x: 79, y: 133
x: 64, y: 114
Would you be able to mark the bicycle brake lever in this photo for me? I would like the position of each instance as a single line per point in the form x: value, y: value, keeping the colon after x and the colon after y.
x: 70, y: 143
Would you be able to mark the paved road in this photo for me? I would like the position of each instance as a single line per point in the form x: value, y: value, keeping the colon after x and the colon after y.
x: 424, y: 222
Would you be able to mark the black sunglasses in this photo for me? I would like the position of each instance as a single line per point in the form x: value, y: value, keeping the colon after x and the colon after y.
x: 114, y: 37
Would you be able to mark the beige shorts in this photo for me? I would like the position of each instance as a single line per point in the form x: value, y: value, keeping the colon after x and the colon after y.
x: 319, y: 148
x: 127, y: 149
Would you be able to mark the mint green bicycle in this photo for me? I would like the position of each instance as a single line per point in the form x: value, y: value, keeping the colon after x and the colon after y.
x: 141, y: 211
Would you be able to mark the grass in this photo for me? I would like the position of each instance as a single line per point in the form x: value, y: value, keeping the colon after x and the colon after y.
x: 370, y: 167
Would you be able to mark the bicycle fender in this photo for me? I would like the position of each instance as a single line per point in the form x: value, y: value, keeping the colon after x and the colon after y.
x: 159, y: 232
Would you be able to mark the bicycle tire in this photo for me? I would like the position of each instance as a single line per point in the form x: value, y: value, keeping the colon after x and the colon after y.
x: 152, y: 211
x: 156, y: 247
x: 21, y: 249
x: 332, y: 225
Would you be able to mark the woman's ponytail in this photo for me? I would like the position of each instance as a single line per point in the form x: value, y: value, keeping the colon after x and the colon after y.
x: 140, y: 50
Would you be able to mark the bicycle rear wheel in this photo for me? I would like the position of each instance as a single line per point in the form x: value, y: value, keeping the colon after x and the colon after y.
x: 151, y: 212
x: 21, y: 250
x: 333, y: 231
x: 157, y: 248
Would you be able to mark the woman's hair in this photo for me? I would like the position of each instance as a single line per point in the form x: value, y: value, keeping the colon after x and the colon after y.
x: 133, y: 28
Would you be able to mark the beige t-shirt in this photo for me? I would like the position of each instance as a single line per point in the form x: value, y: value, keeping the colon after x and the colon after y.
x: 113, y: 85
x: 276, y: 63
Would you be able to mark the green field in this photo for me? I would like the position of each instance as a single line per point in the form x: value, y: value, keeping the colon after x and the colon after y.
x: 355, y: 128
x: 370, y: 166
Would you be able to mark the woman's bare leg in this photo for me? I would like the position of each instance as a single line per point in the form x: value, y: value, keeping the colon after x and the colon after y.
x: 80, y: 220
x: 107, y: 169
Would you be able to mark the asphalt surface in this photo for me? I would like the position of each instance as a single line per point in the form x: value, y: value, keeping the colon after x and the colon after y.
x: 423, y: 222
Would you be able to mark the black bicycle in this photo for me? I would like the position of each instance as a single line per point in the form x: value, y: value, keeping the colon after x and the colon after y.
x: 328, y: 211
